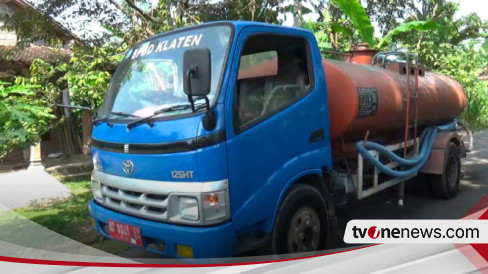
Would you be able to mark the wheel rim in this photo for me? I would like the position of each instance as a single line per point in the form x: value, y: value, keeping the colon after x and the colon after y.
x: 452, y: 173
x: 304, y: 231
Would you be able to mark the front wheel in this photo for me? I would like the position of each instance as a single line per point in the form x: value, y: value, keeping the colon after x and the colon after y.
x: 446, y: 186
x: 302, y: 223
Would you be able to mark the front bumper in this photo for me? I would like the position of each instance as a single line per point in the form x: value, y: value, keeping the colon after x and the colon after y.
x: 207, y: 242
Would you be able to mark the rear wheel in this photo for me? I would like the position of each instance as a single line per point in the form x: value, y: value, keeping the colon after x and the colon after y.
x: 446, y: 186
x: 302, y: 222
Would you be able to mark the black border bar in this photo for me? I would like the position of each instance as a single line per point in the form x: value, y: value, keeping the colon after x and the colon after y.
x: 163, y: 148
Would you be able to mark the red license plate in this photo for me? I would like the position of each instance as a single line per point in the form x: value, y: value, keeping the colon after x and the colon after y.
x: 125, y: 233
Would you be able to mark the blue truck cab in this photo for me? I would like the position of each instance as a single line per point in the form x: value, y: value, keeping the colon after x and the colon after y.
x: 213, y: 140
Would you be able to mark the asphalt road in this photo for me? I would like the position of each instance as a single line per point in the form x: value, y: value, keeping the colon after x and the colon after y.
x: 418, y: 203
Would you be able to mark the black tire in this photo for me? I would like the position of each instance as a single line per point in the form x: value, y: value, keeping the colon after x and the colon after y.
x: 305, y: 206
x: 446, y: 186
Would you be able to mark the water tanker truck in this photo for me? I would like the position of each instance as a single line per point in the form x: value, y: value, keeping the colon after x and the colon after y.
x: 224, y: 137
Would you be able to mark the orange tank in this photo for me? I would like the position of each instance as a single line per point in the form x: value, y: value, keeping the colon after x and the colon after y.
x: 364, y: 97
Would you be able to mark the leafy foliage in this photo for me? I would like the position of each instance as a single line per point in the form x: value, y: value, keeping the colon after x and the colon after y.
x: 359, y: 18
x: 333, y: 33
x: 89, y: 71
x: 26, y: 108
x: 464, y: 63
x: 343, y: 34
x: 485, y: 45
x: 321, y: 31
x: 414, y: 25
x: 257, y: 10
x: 389, y: 14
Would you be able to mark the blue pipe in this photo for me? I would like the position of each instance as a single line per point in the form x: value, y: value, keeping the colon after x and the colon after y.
x: 427, y: 139
x: 408, y: 162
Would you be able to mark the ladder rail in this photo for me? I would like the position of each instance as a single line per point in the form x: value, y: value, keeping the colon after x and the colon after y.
x: 410, y: 59
x: 381, y: 58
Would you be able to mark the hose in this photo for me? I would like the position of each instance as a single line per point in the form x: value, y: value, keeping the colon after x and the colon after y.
x: 408, y: 162
x: 470, y: 136
x: 427, y: 139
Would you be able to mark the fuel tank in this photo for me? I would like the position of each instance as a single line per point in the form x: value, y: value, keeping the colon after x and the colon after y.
x: 365, y: 97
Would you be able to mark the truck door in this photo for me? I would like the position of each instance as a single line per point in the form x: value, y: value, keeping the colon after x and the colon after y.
x: 276, y: 119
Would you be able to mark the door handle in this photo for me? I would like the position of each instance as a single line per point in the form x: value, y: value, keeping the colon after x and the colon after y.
x: 317, y: 135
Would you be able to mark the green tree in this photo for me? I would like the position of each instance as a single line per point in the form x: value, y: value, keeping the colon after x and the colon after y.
x: 89, y: 71
x: 26, y: 109
x: 465, y: 62
x: 254, y: 10
x: 354, y: 22
x: 454, y: 49
x: 389, y: 14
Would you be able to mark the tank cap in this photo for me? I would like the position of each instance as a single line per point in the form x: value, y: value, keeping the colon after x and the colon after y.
x: 362, y: 54
x: 361, y: 46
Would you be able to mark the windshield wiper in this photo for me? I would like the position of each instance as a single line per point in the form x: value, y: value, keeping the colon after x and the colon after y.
x: 156, y: 113
x: 115, y: 113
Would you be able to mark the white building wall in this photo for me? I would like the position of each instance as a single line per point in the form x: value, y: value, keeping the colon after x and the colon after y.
x: 6, y: 38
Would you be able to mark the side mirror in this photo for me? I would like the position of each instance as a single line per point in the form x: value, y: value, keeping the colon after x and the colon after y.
x: 197, y: 72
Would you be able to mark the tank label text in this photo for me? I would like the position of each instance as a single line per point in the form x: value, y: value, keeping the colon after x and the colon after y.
x: 368, y: 102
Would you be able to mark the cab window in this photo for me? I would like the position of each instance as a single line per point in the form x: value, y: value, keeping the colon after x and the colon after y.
x: 273, y: 74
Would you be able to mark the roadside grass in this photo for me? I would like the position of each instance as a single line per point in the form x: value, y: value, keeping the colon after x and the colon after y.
x: 70, y: 218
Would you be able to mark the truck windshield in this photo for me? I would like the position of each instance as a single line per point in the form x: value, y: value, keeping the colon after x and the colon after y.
x: 150, y: 77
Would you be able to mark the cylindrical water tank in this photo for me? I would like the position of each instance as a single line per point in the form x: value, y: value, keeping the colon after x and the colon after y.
x: 364, y: 97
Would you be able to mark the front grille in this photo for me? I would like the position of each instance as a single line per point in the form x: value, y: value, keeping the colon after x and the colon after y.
x: 141, y: 204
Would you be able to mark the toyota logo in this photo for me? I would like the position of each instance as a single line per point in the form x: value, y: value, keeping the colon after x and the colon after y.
x: 128, y: 167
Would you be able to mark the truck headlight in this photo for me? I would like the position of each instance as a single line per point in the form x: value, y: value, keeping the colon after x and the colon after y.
x: 97, y: 190
x: 188, y: 208
x: 96, y: 164
x: 209, y: 207
x: 215, y: 206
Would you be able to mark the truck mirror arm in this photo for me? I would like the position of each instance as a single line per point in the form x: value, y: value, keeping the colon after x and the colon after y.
x: 191, y: 73
x: 210, y: 119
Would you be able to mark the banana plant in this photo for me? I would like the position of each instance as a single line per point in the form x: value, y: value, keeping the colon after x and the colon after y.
x: 413, y: 25
x: 320, y: 31
x: 362, y: 23
x: 359, y: 18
